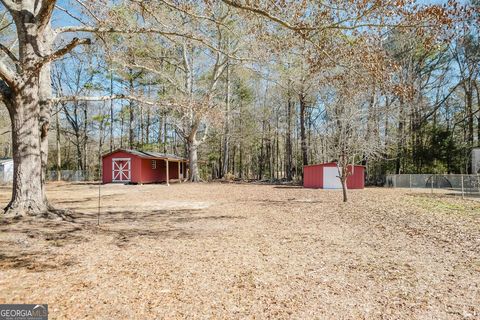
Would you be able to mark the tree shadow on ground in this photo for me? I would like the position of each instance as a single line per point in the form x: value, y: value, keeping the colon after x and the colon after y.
x: 33, y: 243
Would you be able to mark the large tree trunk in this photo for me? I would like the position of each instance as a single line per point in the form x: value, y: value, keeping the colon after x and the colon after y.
x: 57, y: 139
x: 26, y: 91
x: 193, y: 158
x: 288, y: 143
x: 303, y: 135
x: 29, y: 108
x: 131, y: 114
x: 28, y: 196
x: 45, y: 95
x: 111, y: 112
x: 226, y: 138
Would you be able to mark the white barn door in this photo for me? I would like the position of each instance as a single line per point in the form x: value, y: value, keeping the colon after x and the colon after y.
x: 121, y: 169
x: 331, y: 179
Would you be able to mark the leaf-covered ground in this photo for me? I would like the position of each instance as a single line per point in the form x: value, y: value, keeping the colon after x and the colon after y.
x: 228, y: 251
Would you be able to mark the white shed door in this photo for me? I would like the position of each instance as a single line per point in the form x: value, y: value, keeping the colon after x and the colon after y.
x: 330, y: 178
x: 121, y: 170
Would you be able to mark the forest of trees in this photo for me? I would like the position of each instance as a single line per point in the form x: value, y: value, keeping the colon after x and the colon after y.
x: 256, y: 90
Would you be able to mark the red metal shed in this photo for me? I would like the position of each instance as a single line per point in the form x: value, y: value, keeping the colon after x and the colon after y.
x: 135, y: 166
x: 325, y: 176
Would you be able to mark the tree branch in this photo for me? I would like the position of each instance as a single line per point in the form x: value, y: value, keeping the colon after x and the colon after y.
x: 8, y: 75
x: 45, y: 11
x: 146, y: 30
x: 63, y: 51
x: 10, y: 5
x: 8, y: 53
x: 264, y: 13
x: 152, y: 70
x: 102, y: 98
x: 115, y: 30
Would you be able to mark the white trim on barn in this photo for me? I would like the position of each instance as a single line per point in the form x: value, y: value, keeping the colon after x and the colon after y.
x: 122, y: 172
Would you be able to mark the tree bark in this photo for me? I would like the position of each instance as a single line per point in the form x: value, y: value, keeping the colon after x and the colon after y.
x: 59, y: 156
x: 28, y: 197
x: 131, y: 129
x: 226, y: 138
x: 343, y: 176
x: 112, y: 143
x: 288, y: 142
x: 303, y: 136
x: 193, y: 158
x: 344, y: 189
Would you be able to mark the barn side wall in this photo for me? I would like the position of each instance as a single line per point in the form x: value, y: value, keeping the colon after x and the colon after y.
x: 150, y: 175
x: 357, y: 179
x: 313, y: 176
x: 159, y: 174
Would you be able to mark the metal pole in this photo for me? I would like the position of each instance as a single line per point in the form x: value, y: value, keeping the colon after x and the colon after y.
x: 410, y: 181
x: 463, y: 192
x: 100, y: 180
x: 431, y: 184
x: 98, y: 214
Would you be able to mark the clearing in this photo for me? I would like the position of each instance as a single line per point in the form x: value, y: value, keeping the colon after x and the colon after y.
x: 236, y: 251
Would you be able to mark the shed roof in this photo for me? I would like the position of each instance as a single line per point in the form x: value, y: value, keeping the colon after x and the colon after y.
x: 331, y: 164
x: 148, y: 154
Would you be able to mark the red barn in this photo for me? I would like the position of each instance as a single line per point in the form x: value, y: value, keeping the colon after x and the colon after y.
x: 325, y: 176
x: 133, y: 166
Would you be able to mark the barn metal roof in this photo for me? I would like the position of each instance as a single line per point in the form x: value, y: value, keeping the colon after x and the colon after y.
x: 149, y: 154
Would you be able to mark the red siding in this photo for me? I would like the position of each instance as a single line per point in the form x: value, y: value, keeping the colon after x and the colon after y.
x: 357, y: 178
x: 136, y: 166
x: 150, y: 175
x: 173, y: 172
x: 313, y: 176
x: 141, y: 169
x: 159, y: 174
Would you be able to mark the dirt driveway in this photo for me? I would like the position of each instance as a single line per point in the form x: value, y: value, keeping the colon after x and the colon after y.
x: 227, y: 251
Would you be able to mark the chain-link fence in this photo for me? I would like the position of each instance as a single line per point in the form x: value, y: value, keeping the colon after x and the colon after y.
x: 458, y: 184
x: 66, y: 175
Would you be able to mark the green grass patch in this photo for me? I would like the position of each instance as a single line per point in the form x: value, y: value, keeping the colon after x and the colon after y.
x: 444, y: 204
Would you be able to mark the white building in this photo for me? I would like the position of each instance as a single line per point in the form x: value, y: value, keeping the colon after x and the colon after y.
x: 6, y: 170
x: 476, y: 160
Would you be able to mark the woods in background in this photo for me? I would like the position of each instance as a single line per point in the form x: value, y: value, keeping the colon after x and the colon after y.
x: 251, y: 91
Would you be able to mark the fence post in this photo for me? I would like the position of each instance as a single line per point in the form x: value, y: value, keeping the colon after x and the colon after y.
x: 410, y: 181
x: 431, y: 184
x: 478, y: 183
x: 463, y: 194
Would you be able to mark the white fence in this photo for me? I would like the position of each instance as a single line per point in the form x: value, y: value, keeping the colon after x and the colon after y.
x: 461, y: 184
